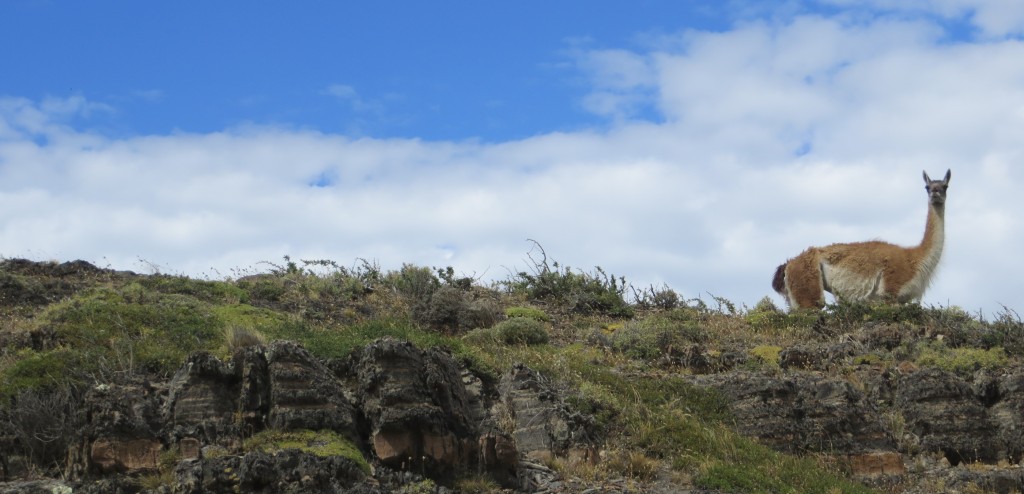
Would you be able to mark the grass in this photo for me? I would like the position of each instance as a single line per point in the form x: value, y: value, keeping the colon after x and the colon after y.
x: 766, y: 358
x: 575, y: 327
x: 527, y: 312
x: 964, y: 361
x: 319, y: 443
x: 104, y: 333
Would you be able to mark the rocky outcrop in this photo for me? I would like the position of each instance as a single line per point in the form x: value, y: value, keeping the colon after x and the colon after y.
x: 801, y: 412
x: 202, y: 401
x: 303, y: 393
x: 417, y: 409
x: 406, y: 409
x: 945, y: 414
x: 287, y: 471
x: 923, y: 423
x: 542, y: 422
x: 394, y: 417
x: 122, y: 431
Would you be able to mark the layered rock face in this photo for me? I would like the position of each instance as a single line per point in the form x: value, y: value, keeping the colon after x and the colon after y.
x: 927, y: 423
x: 408, y: 410
x: 418, y: 414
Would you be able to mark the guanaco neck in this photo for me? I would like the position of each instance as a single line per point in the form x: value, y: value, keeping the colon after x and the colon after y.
x: 930, y: 249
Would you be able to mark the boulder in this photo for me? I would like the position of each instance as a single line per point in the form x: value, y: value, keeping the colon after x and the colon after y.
x: 303, y: 392
x: 947, y: 415
x: 417, y: 407
x: 543, y: 424
x: 202, y: 400
x: 122, y: 430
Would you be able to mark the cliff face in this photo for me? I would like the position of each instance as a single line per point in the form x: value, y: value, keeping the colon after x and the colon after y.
x: 899, y: 407
x: 421, y: 415
x: 923, y: 431
x: 418, y: 413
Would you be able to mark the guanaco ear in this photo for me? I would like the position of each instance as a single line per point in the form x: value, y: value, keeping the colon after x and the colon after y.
x: 927, y: 180
x: 948, y: 174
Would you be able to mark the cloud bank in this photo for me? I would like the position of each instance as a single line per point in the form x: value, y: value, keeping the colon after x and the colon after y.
x: 766, y: 138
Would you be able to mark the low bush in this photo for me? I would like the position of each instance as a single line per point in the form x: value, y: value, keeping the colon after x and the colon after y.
x: 662, y: 333
x: 574, y: 291
x: 521, y: 331
x: 845, y: 315
x: 1006, y: 331
x: 44, y: 421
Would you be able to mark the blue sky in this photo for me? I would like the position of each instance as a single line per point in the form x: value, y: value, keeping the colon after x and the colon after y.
x: 694, y: 144
x: 448, y: 70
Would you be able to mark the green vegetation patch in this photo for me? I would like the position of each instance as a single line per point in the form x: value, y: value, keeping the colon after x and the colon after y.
x: 478, y: 484
x: 845, y: 315
x: 335, y: 341
x: 208, y: 291
x: 766, y: 317
x: 528, y: 312
x: 755, y: 469
x: 653, y: 416
x: 573, y: 291
x: 662, y: 333
x: 961, y: 360
x: 320, y: 443
x: 522, y: 331
x: 767, y: 356
x: 39, y: 370
x: 106, y: 332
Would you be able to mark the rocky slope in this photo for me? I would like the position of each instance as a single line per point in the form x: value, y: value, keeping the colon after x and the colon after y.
x: 931, y: 405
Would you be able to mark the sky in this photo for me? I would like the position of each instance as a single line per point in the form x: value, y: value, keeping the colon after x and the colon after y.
x: 695, y: 145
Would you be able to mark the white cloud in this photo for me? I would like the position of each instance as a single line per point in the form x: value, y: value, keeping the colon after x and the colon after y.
x: 774, y: 137
x: 992, y: 18
x: 341, y: 91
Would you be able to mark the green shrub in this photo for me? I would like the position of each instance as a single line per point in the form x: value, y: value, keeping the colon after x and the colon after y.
x: 439, y: 300
x: 663, y: 298
x: 416, y: 284
x: 264, y: 288
x: 44, y: 370
x: 455, y: 310
x: 1006, y: 331
x: 577, y: 292
x: 765, y: 315
x: 845, y: 314
x: 663, y: 333
x: 522, y: 331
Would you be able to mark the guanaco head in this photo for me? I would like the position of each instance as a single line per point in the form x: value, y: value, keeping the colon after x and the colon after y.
x: 937, y: 188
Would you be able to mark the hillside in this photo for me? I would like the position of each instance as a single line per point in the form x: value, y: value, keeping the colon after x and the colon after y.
x: 312, y: 377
